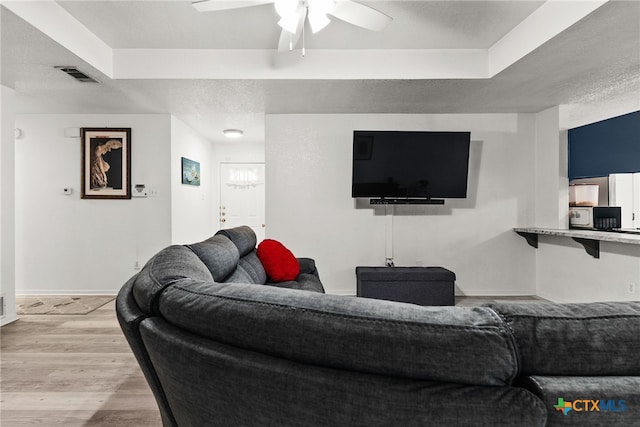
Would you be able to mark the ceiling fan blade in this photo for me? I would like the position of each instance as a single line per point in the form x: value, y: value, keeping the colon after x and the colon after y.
x: 288, y: 40
x: 360, y: 15
x: 215, y: 5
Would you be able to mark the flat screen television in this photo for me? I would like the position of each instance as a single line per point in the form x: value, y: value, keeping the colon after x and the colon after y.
x: 417, y: 165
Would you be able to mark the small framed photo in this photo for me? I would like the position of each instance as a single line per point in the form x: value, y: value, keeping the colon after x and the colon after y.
x: 190, y: 172
x: 106, y: 163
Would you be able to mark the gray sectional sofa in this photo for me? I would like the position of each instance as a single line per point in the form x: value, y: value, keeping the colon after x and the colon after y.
x: 219, y: 348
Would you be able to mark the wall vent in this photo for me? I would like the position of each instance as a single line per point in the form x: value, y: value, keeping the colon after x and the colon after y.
x: 76, y: 74
x: 2, y: 306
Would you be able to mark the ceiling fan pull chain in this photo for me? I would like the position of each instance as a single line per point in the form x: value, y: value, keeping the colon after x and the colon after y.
x: 303, y: 50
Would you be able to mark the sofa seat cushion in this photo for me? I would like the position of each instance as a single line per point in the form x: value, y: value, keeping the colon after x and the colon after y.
x: 575, y: 339
x: 588, y: 401
x: 468, y: 345
x: 304, y: 282
x: 307, y: 280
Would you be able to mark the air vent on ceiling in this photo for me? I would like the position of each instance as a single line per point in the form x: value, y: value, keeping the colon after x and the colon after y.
x: 76, y: 74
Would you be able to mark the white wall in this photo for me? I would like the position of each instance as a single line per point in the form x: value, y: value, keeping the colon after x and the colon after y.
x: 193, y: 208
x: 551, y: 171
x: 310, y: 208
x: 564, y: 271
x: 65, y: 244
x: 7, y: 205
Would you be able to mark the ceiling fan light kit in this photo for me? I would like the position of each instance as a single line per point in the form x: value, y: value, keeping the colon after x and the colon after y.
x: 284, y: 7
x: 317, y: 13
x: 289, y: 22
x: 318, y: 21
x: 294, y: 13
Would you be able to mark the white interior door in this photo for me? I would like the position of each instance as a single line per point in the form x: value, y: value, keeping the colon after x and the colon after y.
x: 242, y: 196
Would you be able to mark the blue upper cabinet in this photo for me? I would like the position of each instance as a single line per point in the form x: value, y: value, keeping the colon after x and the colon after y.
x: 606, y: 147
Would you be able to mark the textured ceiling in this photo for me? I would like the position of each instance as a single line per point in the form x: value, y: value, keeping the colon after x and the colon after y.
x: 416, y: 24
x: 595, y: 60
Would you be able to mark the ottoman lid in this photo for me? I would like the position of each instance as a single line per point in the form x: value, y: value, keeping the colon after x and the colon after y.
x: 405, y: 273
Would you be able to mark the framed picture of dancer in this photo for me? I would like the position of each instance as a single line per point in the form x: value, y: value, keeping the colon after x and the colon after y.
x: 106, y: 163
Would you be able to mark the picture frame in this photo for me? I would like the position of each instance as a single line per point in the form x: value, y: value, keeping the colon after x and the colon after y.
x: 106, y: 163
x: 190, y: 172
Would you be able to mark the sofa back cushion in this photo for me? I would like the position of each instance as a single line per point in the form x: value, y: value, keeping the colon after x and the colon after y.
x: 575, y: 339
x: 170, y: 264
x: 249, y: 270
x: 219, y: 254
x: 454, y: 344
x: 243, y: 237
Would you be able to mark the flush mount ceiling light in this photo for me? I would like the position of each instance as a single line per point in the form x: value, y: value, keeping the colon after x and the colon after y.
x: 294, y: 13
x: 232, y: 133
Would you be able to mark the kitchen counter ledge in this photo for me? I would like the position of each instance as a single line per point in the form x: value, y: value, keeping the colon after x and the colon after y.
x: 589, y: 239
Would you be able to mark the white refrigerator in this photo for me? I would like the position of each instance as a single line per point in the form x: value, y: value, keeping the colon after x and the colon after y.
x: 624, y: 191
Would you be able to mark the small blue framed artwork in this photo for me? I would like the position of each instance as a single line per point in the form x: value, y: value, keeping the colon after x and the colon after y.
x: 190, y: 172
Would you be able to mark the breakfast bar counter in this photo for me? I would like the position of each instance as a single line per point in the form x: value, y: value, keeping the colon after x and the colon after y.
x: 589, y: 239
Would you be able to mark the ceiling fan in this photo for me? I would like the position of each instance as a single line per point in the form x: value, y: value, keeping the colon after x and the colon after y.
x: 294, y: 13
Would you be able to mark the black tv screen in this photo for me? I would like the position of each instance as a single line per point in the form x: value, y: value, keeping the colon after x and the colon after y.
x: 397, y: 164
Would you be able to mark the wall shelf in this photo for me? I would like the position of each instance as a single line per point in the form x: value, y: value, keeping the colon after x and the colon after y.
x: 589, y: 239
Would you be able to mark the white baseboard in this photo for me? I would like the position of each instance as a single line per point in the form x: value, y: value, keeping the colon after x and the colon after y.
x: 473, y: 293
x: 106, y: 292
x: 556, y: 300
x: 5, y: 320
x: 495, y: 293
x: 468, y: 294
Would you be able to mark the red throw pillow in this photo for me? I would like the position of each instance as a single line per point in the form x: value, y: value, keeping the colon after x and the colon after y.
x: 278, y: 261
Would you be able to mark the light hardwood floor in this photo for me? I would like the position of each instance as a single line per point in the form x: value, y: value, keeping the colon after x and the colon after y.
x: 71, y: 370
x: 78, y: 370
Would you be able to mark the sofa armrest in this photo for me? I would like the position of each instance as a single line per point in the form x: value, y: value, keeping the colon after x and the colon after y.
x: 130, y: 316
x: 587, y: 400
x: 308, y: 266
x: 585, y: 339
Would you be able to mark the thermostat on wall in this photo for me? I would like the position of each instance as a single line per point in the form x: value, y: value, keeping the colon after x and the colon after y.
x: 139, y: 190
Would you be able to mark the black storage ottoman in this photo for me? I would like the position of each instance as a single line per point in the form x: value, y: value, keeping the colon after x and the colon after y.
x: 416, y: 285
